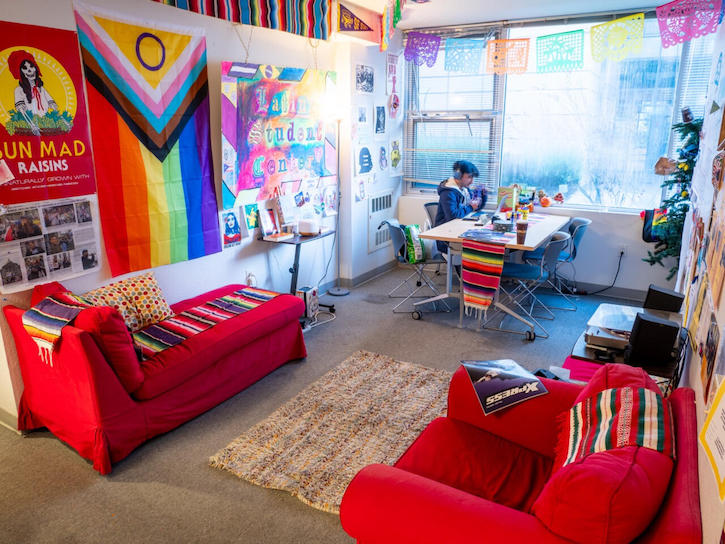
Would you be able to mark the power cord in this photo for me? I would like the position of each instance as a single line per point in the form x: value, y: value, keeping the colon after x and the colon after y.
x: 316, y: 322
x: 329, y: 260
x: 616, y: 275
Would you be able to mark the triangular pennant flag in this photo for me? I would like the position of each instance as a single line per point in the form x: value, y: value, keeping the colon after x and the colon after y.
x: 714, y: 107
x: 349, y: 22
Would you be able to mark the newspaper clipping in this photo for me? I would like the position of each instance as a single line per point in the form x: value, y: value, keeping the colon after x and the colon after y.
x: 47, y: 241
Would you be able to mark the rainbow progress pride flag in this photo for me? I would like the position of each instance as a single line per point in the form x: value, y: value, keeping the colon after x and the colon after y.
x: 148, y: 100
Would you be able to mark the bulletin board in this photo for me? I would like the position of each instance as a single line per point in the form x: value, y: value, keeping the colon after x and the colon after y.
x: 277, y: 138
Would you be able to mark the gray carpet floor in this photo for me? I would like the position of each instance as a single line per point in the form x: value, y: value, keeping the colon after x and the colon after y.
x: 166, y: 492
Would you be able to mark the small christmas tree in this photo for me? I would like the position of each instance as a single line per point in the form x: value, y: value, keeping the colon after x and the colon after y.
x: 677, y: 204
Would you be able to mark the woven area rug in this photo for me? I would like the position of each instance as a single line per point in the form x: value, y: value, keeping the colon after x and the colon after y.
x: 368, y: 409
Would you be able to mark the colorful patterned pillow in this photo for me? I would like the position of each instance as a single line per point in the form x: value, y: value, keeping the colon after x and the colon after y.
x: 145, y: 294
x: 139, y: 300
x: 111, y: 295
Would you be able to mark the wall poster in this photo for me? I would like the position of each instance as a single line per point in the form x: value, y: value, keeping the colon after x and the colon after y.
x: 148, y: 99
x: 712, y: 439
x: 45, y: 151
x: 276, y: 137
x: 51, y: 240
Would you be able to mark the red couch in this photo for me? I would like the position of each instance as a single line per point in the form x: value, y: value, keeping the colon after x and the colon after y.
x: 102, y: 402
x: 435, y: 492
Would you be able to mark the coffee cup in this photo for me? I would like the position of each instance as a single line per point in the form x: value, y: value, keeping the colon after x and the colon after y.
x: 521, y: 228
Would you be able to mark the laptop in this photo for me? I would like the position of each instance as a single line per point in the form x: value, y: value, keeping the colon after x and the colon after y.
x: 482, y: 217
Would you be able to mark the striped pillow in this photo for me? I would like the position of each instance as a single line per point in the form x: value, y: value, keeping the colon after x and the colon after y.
x: 614, y: 458
x: 616, y: 418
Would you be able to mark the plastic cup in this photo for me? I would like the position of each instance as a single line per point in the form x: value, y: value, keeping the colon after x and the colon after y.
x: 521, y: 228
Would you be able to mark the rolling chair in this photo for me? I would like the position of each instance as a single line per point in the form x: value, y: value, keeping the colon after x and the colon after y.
x: 431, y: 208
x: 577, y: 227
x: 528, y: 277
x: 397, y: 237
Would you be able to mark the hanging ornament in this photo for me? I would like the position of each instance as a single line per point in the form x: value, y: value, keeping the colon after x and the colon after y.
x: 617, y: 39
x: 422, y: 48
x: 384, y: 30
x: 682, y: 20
x: 507, y: 56
x: 562, y: 52
x: 463, y: 55
x: 397, y: 13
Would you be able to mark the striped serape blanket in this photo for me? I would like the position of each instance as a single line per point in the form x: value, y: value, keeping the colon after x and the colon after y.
x: 174, y: 330
x: 615, y: 418
x: 44, y: 322
x: 481, y: 266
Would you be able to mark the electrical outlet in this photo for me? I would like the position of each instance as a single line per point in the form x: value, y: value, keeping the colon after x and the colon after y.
x: 251, y: 280
x: 622, y: 250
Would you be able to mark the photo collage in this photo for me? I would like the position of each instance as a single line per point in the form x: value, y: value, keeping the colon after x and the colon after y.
x: 46, y: 241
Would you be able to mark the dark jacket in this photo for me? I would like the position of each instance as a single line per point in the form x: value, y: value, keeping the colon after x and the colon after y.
x: 450, y: 206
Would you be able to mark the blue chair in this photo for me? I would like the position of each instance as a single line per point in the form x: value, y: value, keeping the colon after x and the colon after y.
x: 528, y: 277
x: 576, y: 228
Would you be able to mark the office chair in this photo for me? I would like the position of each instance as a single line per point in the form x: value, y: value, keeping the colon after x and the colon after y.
x: 577, y: 227
x: 528, y: 277
x: 397, y: 237
x: 431, y: 208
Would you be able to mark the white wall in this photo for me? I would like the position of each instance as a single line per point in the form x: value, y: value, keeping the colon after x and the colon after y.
x: 267, y: 262
x: 355, y: 254
x: 598, y: 253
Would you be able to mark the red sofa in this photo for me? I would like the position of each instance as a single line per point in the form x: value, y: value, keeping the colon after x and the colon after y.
x: 435, y: 492
x: 102, y: 402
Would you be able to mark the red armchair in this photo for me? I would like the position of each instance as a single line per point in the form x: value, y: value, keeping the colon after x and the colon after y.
x: 435, y: 492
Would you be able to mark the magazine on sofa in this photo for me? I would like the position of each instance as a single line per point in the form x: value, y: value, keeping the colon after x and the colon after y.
x: 502, y: 383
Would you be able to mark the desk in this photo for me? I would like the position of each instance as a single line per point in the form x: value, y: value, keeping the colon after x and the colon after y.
x: 540, y: 229
x: 297, y: 241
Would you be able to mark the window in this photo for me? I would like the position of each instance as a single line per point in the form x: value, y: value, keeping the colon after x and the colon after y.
x: 452, y: 116
x: 592, y: 134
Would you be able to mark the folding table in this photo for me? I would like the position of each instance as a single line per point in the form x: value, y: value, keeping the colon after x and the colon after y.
x: 540, y: 229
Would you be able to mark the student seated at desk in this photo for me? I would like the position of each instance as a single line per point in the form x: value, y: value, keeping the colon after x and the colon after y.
x: 454, y: 197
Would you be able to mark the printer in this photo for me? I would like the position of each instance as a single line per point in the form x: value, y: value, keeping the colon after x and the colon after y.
x: 648, y: 335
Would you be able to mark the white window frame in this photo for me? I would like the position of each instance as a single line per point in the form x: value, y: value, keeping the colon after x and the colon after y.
x: 497, y: 115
